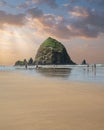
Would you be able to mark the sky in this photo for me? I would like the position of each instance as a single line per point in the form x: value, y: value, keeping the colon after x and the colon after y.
x: 25, y: 24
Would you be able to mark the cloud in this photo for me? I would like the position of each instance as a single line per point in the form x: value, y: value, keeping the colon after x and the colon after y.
x: 32, y: 3
x: 35, y: 12
x: 49, y: 23
x: 74, y: 1
x: 50, y: 3
x: 11, y: 19
x: 97, y: 2
x: 26, y: 4
x: 78, y: 11
x: 23, y: 6
x: 88, y: 1
x: 81, y: 22
x: 3, y: 3
x: 77, y: 21
x: 91, y: 25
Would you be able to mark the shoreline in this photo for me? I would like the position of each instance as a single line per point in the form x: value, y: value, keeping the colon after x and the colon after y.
x: 75, y: 74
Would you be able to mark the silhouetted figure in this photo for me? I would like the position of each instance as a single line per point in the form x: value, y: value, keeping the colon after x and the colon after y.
x: 37, y: 65
x: 25, y: 62
x: 26, y: 66
x: 95, y: 69
x: 87, y: 67
x: 95, y: 66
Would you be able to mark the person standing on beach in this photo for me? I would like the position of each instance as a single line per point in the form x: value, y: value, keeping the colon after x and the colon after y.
x: 87, y: 67
x: 95, y: 69
x: 25, y: 63
x: 95, y: 66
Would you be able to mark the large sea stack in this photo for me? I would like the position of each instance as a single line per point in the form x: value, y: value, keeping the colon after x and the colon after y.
x: 51, y: 52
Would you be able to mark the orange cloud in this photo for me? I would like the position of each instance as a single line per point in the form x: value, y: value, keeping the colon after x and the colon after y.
x: 79, y: 12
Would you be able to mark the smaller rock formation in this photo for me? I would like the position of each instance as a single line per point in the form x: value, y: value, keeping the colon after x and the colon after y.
x: 30, y: 61
x: 24, y: 62
x: 19, y: 63
x: 84, y: 62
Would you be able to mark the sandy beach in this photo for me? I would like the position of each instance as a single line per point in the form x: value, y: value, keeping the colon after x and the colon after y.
x: 30, y: 103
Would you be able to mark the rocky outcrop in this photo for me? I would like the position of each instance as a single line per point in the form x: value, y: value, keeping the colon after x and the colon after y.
x: 52, y: 51
x: 24, y: 62
x: 84, y: 62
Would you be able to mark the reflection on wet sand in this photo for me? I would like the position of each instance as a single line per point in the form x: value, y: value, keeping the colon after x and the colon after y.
x: 54, y: 72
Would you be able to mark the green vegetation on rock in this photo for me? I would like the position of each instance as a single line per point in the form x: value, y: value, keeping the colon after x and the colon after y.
x: 20, y: 63
x: 50, y: 42
x: 52, y: 51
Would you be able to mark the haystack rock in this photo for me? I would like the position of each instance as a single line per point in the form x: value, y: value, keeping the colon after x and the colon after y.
x: 52, y: 52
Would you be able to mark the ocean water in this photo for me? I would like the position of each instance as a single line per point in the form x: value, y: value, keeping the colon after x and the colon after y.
x: 70, y: 73
x: 6, y: 68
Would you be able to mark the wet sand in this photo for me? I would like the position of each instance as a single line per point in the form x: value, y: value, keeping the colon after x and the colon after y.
x: 30, y: 103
